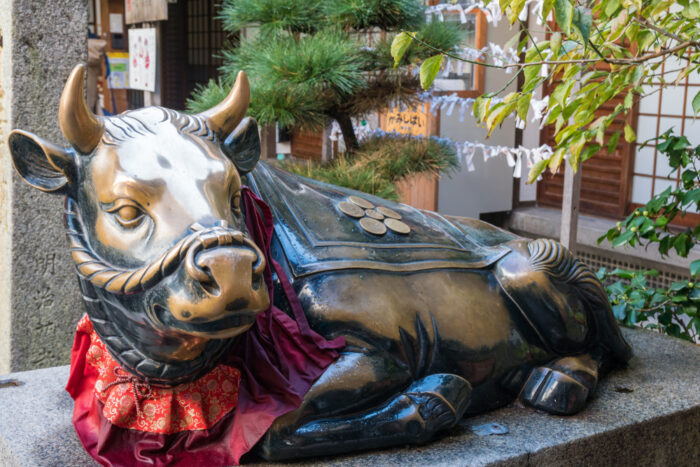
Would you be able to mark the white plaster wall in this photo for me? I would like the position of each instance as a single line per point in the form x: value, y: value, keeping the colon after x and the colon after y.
x: 490, y: 187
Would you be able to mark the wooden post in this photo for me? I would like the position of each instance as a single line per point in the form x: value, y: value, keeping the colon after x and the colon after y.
x: 326, y: 144
x: 570, y: 207
x: 268, y: 142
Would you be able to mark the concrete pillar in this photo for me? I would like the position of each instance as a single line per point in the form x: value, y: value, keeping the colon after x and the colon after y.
x: 39, y: 301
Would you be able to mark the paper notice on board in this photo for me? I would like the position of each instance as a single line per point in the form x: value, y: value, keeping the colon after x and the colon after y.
x: 142, y: 55
x: 116, y: 24
x: 118, y: 70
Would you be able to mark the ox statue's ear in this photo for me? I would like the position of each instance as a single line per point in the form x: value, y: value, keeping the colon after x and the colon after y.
x: 41, y: 164
x: 242, y: 146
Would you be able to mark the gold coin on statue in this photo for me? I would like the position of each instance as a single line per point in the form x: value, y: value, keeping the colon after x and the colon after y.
x: 372, y: 226
x: 389, y: 212
x: 374, y: 214
x: 363, y: 203
x: 397, y: 226
x: 350, y: 209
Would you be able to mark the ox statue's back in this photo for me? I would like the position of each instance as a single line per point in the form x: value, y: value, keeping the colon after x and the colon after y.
x: 389, y: 322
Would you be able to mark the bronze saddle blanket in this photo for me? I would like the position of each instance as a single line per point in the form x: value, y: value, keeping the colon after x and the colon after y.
x: 317, y: 236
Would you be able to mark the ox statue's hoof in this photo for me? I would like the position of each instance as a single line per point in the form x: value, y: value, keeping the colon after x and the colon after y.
x: 442, y: 400
x: 562, y: 387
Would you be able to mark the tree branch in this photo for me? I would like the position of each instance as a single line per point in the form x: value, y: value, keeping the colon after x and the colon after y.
x: 447, y: 54
x: 616, y: 61
x: 647, y: 24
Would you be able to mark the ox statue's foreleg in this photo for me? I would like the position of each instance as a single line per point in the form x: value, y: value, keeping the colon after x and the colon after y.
x: 566, y: 305
x: 333, y: 419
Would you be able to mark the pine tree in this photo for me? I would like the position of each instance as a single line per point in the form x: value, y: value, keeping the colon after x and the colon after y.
x: 309, y: 60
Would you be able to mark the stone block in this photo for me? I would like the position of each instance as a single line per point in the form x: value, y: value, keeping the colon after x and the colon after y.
x: 645, y: 415
x: 39, y: 299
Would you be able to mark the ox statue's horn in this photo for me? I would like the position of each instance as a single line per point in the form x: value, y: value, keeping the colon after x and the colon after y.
x: 224, y: 117
x: 79, y: 125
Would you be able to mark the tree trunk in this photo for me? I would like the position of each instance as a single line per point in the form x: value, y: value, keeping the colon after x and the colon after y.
x: 349, y: 137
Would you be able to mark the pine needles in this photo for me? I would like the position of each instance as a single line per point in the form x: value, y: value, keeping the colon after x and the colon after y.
x: 308, y: 62
x: 380, y: 163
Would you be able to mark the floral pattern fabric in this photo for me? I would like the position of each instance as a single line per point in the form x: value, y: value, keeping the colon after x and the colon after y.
x: 131, y: 403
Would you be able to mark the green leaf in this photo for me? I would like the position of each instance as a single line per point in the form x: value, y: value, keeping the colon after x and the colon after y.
x: 516, y: 6
x: 692, y: 11
x: 429, y: 70
x: 564, y: 12
x: 555, y: 43
x: 695, y: 267
x: 481, y: 105
x: 399, y: 46
x: 619, y: 311
x: 611, y: 7
x: 537, y: 170
x: 680, y: 244
x: 677, y: 286
x: 630, y: 135
x: 612, y: 143
x: 546, y: 8
x: 622, y: 273
x: 561, y: 93
x: 555, y: 160
x: 523, y: 106
x: 696, y: 103
x: 622, y: 239
x: 583, y: 20
x: 567, y: 47
x: 589, y: 152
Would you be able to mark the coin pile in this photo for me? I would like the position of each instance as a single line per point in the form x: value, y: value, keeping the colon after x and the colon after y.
x: 373, y: 219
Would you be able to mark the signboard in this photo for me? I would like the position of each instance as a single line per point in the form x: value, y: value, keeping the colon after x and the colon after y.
x: 118, y: 70
x: 143, y: 11
x: 409, y: 121
x: 142, y: 59
x: 420, y: 191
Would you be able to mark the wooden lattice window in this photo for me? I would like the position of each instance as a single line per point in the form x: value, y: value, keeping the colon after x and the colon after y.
x: 205, y: 40
x: 193, y: 39
x: 662, y: 109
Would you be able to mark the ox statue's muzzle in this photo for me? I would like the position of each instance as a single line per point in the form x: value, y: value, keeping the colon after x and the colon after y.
x: 219, y: 289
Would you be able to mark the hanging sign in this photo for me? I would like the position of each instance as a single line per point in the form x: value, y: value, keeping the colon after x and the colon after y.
x: 142, y: 11
x: 416, y: 121
x: 142, y: 59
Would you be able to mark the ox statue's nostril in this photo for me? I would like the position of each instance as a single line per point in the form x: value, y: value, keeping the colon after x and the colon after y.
x: 192, y: 268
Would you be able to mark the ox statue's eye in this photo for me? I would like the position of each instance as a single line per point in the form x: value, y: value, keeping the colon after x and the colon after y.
x: 126, y: 213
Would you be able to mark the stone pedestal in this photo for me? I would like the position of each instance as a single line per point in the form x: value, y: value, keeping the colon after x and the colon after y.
x: 645, y: 415
x: 39, y: 301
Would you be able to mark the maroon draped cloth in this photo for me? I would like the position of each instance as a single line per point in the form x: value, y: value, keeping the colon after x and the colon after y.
x: 279, y: 359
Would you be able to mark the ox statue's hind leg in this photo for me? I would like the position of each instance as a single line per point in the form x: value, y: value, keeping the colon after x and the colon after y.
x: 568, y: 309
x: 412, y: 416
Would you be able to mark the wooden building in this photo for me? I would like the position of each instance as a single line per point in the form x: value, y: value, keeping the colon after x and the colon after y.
x: 189, y: 42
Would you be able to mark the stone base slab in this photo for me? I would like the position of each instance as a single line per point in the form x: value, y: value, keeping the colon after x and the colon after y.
x: 645, y: 415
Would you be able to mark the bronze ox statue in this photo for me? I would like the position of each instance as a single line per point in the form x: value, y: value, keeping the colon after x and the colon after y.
x: 442, y: 316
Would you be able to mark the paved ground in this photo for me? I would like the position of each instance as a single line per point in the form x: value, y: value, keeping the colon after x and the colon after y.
x: 647, y: 414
